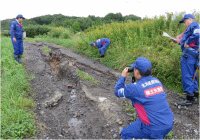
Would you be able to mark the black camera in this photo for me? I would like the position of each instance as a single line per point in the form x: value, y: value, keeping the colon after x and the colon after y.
x: 130, y: 69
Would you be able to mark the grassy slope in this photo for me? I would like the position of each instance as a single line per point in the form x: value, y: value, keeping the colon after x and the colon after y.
x: 17, y: 120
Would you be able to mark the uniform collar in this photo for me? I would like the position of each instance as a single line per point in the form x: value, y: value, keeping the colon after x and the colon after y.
x: 144, y: 77
x: 17, y: 21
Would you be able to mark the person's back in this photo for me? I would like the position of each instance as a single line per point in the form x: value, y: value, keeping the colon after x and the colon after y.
x: 148, y: 93
x: 102, y: 44
x: 149, y: 99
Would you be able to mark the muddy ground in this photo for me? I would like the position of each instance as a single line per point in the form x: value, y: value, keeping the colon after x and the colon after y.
x: 71, y: 108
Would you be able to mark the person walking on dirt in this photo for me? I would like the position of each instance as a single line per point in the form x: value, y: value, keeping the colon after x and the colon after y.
x: 16, y: 32
x: 149, y: 99
x: 102, y: 45
x: 189, y: 41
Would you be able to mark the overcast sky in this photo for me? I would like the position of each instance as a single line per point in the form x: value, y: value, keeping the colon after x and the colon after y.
x: 83, y: 8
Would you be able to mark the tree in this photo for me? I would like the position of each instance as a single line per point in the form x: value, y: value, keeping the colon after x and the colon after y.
x: 84, y: 23
x: 131, y: 18
x: 114, y: 17
x: 76, y: 27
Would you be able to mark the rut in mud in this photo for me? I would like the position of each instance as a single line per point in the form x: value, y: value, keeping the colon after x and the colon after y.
x: 71, y: 108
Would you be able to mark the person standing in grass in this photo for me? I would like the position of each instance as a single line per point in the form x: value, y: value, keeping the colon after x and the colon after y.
x: 16, y: 32
x: 189, y: 41
x: 149, y: 99
x: 102, y: 45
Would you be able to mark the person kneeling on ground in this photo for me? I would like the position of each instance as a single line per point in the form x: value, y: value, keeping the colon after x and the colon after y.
x: 149, y: 99
x: 102, y: 45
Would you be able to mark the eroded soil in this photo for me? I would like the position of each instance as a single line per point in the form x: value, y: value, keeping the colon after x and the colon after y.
x: 71, y: 108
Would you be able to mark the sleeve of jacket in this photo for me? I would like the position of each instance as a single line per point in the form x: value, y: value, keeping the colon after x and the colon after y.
x: 125, y: 91
x: 12, y: 28
x: 195, y: 35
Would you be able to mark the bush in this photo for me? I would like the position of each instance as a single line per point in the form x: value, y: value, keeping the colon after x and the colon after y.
x: 60, y: 32
x: 5, y: 33
x: 76, y: 27
x: 34, y: 30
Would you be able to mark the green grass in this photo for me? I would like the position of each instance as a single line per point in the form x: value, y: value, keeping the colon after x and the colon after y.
x: 68, y: 43
x: 169, y: 135
x: 17, y: 117
x: 84, y: 76
x: 46, y: 49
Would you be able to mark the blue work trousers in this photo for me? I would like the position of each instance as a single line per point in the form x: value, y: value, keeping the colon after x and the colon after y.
x: 188, y: 70
x: 103, y: 49
x: 138, y: 130
x: 18, y: 46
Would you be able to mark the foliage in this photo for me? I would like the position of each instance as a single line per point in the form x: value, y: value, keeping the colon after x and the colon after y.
x: 76, y: 27
x: 5, y: 33
x: 84, y: 23
x: 85, y: 76
x: 17, y: 120
x: 131, y: 18
x: 169, y: 135
x: 113, y: 17
x: 5, y: 24
x: 140, y: 39
x: 60, y: 32
x: 46, y: 49
x: 58, y: 20
x: 33, y: 30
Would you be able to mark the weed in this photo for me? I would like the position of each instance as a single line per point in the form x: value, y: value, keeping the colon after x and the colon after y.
x: 169, y: 135
x: 46, y: 49
x: 181, y: 137
x: 17, y: 121
x: 85, y: 76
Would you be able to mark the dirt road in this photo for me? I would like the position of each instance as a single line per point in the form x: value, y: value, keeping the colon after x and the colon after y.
x: 71, y: 108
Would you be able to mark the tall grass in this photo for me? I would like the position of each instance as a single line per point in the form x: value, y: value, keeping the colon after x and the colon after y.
x: 17, y: 119
x: 140, y: 39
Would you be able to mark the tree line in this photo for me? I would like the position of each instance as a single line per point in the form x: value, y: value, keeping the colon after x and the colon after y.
x: 76, y: 23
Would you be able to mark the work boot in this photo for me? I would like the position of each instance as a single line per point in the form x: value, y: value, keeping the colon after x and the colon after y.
x: 19, y: 57
x: 195, y: 100
x: 196, y: 97
x: 102, y: 56
x: 16, y: 58
x: 188, y: 101
x: 196, y: 94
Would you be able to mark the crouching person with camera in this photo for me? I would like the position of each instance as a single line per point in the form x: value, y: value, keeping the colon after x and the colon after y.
x: 149, y: 99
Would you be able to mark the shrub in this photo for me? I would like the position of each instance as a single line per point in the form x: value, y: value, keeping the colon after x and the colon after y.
x: 5, y: 33
x: 60, y: 32
x: 34, y: 30
x: 76, y: 27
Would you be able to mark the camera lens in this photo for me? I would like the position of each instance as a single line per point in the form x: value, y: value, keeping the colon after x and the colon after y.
x: 130, y: 69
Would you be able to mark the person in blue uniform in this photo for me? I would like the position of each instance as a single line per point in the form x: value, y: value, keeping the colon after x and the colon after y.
x: 189, y: 43
x: 149, y: 99
x: 102, y: 45
x: 16, y: 32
